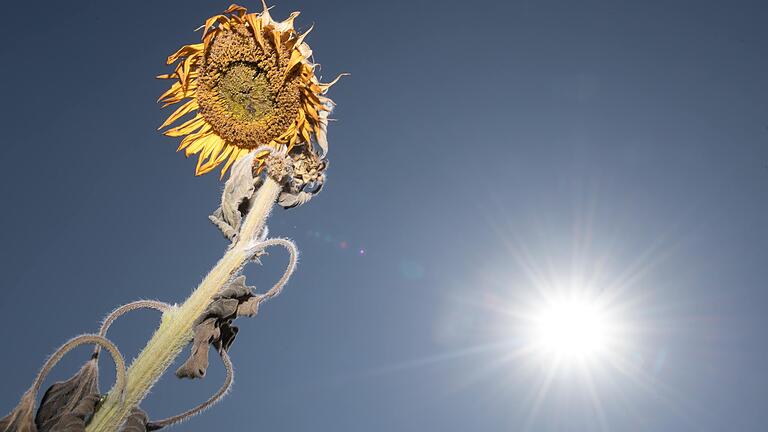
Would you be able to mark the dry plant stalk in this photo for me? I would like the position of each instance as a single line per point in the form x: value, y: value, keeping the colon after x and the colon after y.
x: 249, y: 100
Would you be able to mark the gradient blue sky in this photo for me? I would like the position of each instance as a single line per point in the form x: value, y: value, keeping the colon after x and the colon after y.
x: 480, y: 147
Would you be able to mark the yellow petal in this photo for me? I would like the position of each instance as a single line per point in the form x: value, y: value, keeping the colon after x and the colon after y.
x: 232, y: 159
x: 211, y: 21
x: 186, y: 50
x: 175, y: 88
x: 296, y: 58
x: 180, y: 112
x: 255, y: 22
x: 236, y: 9
x: 198, y: 144
x: 189, y: 139
x: 186, y: 127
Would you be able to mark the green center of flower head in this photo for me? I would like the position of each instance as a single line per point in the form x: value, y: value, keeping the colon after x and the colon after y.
x: 244, y: 88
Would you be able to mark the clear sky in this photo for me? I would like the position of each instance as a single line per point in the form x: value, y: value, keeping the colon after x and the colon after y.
x: 481, y: 148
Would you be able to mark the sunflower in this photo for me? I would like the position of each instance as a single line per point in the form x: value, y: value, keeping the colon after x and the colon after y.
x: 249, y: 83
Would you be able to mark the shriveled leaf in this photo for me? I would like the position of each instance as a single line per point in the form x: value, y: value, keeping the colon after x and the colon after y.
x: 236, y: 289
x: 249, y: 307
x: 21, y: 419
x: 62, y: 398
x: 75, y: 420
x: 235, y: 199
x: 227, y: 336
x: 136, y: 422
x: 221, y: 309
x: 197, y: 363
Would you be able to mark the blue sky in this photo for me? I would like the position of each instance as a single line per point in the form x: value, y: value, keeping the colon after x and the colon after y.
x: 480, y: 149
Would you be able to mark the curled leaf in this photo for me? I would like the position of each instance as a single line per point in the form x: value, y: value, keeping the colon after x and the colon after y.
x: 223, y: 390
x: 249, y: 307
x: 21, y: 419
x: 197, y: 363
x: 136, y: 422
x: 235, y: 199
x: 76, y: 419
x: 62, y: 398
x: 234, y: 290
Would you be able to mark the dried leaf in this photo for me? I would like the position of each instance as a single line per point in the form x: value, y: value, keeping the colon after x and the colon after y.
x: 75, y: 420
x: 62, y: 398
x: 235, y: 199
x: 197, y: 363
x: 236, y: 289
x: 227, y: 336
x: 136, y: 422
x: 221, y: 309
x: 21, y: 419
x: 249, y: 307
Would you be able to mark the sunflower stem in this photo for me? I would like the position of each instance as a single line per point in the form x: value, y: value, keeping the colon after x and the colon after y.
x: 175, y: 329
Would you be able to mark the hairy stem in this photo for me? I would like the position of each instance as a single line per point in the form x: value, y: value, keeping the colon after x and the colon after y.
x: 175, y: 330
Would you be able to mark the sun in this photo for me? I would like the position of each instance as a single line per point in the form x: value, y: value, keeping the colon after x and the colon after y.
x: 573, y: 328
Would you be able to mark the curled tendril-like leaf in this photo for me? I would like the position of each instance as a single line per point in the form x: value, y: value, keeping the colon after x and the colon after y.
x: 138, y: 420
x: 120, y: 311
x: 293, y: 259
x: 21, y: 418
x: 223, y: 390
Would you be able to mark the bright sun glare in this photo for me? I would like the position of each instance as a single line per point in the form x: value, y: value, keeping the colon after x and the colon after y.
x: 572, y: 328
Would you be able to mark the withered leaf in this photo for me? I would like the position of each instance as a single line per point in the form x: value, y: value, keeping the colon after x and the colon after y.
x: 197, y: 363
x: 235, y: 290
x: 227, y: 336
x: 63, y: 397
x: 249, y: 307
x: 75, y: 420
x: 136, y: 422
x: 21, y: 419
x: 221, y: 309
x: 235, y: 199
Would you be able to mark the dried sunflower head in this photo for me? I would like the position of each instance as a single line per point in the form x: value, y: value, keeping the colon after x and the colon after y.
x: 249, y: 83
